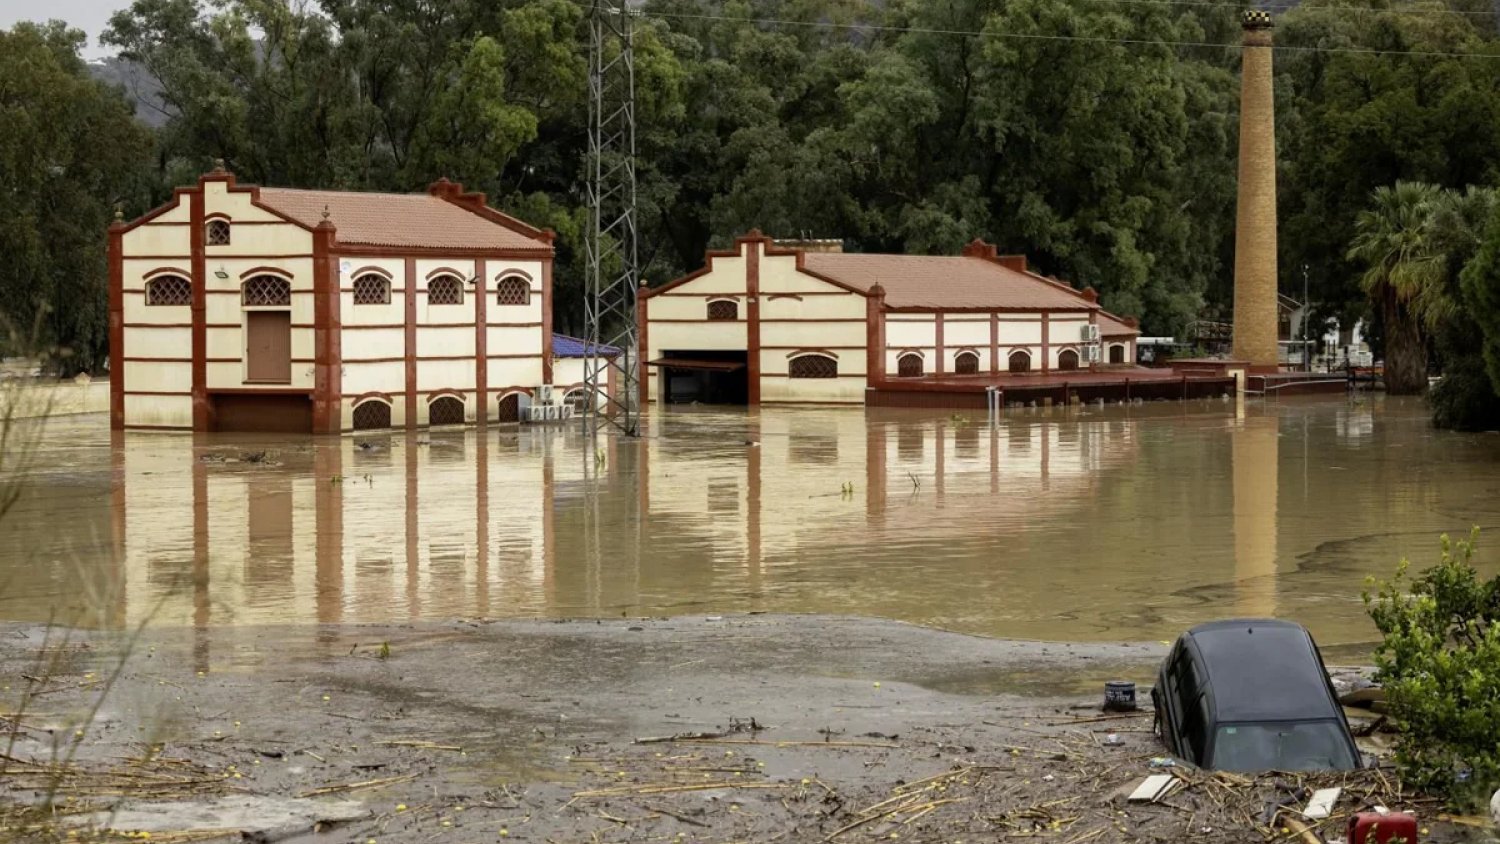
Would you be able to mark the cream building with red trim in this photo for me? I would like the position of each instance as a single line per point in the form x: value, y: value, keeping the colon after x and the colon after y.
x: 235, y: 307
x: 765, y: 323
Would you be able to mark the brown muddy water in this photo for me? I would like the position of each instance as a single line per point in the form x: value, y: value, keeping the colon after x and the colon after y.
x: 1093, y: 524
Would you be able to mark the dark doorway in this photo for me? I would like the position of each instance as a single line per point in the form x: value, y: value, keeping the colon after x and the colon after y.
x: 705, y: 376
x: 1116, y: 354
x: 268, y: 349
x: 1020, y: 361
x: 272, y: 413
x: 1067, y: 360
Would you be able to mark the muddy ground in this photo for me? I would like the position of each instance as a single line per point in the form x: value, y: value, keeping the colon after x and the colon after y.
x: 704, y: 729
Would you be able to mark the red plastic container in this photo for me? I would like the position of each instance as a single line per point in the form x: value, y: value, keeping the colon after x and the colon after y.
x: 1380, y: 828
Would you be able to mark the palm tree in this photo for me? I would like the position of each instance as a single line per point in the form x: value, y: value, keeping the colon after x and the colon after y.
x: 1395, y: 239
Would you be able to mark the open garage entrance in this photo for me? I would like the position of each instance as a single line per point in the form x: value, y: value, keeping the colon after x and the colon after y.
x: 704, y: 376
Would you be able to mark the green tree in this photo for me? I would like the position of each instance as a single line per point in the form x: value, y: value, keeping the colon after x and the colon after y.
x: 1404, y: 273
x: 70, y: 151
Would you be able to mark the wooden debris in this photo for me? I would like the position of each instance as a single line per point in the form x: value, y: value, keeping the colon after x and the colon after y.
x: 356, y: 786
x: 1322, y: 802
x: 1152, y: 788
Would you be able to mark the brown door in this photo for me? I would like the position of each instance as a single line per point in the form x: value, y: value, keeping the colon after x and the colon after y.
x: 269, y: 347
x: 1067, y: 360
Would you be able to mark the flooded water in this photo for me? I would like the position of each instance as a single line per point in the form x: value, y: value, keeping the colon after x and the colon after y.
x: 1112, y: 524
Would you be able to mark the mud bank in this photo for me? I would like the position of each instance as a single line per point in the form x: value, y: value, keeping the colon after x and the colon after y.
x: 741, y: 728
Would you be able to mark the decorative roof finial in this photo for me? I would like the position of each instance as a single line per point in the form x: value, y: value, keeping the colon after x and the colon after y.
x: 119, y: 213
x: 219, y: 166
x: 326, y: 213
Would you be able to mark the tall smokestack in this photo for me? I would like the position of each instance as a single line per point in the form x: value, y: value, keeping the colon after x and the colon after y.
x: 1255, y: 221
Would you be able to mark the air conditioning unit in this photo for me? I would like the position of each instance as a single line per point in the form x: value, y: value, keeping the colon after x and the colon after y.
x: 1091, y: 353
x: 543, y: 394
x: 1089, y: 333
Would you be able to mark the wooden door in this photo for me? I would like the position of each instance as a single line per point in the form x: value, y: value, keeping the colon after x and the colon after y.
x: 269, y: 346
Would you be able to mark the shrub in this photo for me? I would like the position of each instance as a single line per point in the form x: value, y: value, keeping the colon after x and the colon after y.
x: 1439, y: 661
x: 1464, y: 399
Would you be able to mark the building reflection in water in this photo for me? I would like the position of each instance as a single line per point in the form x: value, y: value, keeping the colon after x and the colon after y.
x: 1256, y: 450
x: 841, y: 511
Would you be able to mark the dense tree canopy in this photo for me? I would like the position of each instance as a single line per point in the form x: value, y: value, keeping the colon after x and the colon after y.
x: 1099, y: 138
x: 69, y: 151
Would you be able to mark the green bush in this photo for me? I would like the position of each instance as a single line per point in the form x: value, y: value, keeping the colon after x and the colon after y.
x: 1440, y: 664
x: 1464, y: 399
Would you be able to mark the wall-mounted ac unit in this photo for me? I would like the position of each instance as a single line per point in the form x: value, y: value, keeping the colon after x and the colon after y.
x: 1089, y: 333
x: 1091, y: 353
x: 543, y: 394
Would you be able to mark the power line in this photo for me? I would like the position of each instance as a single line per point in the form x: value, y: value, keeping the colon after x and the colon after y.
x: 1025, y: 36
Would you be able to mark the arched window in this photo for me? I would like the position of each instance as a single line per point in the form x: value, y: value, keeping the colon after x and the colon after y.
x: 813, y: 366
x: 1117, y: 353
x: 445, y: 410
x: 909, y: 365
x: 169, y: 290
x: 723, y: 310
x: 509, y: 409
x: 445, y: 290
x: 266, y: 291
x: 967, y: 363
x: 1020, y: 361
x: 216, y: 233
x: 371, y: 289
x: 372, y: 415
x: 513, y: 291
x: 1067, y: 360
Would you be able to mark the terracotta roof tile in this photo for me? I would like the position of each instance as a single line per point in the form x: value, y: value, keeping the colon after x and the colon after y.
x: 922, y: 281
x: 397, y: 219
x: 1112, y: 326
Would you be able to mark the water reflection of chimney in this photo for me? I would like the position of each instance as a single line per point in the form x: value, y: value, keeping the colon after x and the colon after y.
x: 1255, y: 449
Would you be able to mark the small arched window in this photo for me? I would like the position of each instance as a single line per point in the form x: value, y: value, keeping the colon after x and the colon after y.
x: 967, y: 363
x: 909, y: 365
x: 169, y: 290
x: 1067, y: 360
x: 371, y: 289
x: 723, y: 310
x: 216, y: 233
x: 445, y: 410
x: 1020, y: 361
x: 266, y: 291
x: 509, y: 409
x: 372, y: 415
x: 513, y: 291
x: 1117, y: 353
x: 445, y: 290
x: 813, y: 366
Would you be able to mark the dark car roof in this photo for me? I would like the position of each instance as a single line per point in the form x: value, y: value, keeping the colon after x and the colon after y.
x: 1263, y: 670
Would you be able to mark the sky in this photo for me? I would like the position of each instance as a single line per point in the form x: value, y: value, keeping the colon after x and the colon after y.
x: 91, y: 16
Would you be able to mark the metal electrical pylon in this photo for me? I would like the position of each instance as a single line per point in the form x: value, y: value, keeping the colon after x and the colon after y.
x: 611, y: 254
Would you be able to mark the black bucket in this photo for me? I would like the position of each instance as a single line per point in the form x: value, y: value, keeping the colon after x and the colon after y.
x: 1119, y: 696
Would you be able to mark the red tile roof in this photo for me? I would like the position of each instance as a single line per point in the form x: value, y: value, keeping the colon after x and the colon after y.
x: 1112, y: 326
x: 398, y: 219
x: 922, y: 281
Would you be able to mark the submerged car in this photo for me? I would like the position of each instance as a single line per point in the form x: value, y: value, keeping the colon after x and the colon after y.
x: 1251, y: 695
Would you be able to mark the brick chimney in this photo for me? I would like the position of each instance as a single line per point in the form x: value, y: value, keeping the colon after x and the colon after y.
x: 1255, y: 218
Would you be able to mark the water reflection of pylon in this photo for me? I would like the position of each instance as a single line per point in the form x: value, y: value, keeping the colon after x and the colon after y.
x: 1255, y: 447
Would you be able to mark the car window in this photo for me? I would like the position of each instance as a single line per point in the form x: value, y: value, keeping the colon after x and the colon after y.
x: 1195, y: 725
x: 1285, y: 746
